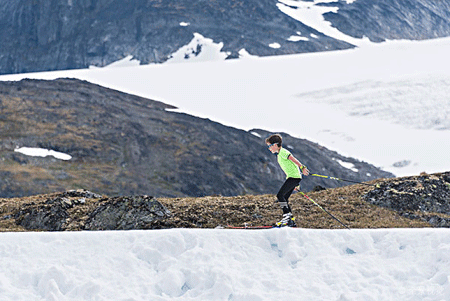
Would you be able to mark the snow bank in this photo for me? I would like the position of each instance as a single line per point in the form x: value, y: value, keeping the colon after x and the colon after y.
x: 188, y: 264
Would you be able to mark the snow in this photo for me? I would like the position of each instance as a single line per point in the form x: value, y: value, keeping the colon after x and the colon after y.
x: 274, y: 45
x: 200, y: 49
x: 256, y: 134
x: 243, y: 54
x: 347, y: 165
x: 311, y: 14
x: 128, y: 61
x: 196, y: 264
x: 41, y: 152
x: 296, y: 38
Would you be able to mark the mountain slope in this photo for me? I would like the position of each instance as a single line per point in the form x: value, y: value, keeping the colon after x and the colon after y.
x: 382, y: 20
x: 122, y: 144
x: 59, y: 35
x: 75, y: 34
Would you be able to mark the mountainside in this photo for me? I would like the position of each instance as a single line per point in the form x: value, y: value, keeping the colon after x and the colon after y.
x: 417, y: 201
x: 61, y: 34
x: 122, y: 144
x: 381, y: 20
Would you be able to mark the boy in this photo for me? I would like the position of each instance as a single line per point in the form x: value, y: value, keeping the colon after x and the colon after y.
x: 291, y: 167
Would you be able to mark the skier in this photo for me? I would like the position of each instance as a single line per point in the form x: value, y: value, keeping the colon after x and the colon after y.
x: 291, y: 167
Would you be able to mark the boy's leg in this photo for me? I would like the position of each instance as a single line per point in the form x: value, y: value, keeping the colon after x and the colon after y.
x: 285, y: 192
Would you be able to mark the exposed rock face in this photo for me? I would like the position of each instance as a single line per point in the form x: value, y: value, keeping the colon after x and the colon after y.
x: 381, y: 20
x: 127, y: 145
x: 84, y: 210
x: 68, y: 34
x: 127, y: 213
x: 48, y: 217
x: 65, y: 34
x: 429, y: 194
x: 52, y: 215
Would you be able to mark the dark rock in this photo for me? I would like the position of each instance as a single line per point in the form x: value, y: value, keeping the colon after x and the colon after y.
x: 8, y: 216
x: 127, y: 213
x: 438, y: 221
x: 63, y: 202
x: 424, y: 193
x: 46, y: 217
x: 81, y: 193
x: 381, y: 20
x: 318, y: 188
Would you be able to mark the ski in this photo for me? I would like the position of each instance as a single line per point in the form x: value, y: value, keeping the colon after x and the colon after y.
x: 249, y: 227
x: 253, y: 227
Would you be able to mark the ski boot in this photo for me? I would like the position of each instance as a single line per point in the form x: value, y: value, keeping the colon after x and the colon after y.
x: 287, y: 221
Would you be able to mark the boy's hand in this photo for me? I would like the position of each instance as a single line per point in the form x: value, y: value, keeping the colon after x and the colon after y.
x: 305, y: 170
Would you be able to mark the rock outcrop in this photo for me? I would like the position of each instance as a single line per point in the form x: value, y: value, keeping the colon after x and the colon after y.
x: 428, y: 194
x: 127, y: 213
x: 84, y: 210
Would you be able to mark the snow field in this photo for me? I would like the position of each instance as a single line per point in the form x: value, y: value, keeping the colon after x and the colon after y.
x: 188, y: 264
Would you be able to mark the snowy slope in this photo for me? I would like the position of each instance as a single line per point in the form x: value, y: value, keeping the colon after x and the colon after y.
x: 386, y: 104
x: 182, y: 264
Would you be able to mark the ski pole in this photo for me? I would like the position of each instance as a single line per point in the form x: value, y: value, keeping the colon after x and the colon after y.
x: 338, y: 179
x: 324, y: 209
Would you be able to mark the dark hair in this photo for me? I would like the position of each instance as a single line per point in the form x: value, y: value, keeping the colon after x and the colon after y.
x: 276, y: 138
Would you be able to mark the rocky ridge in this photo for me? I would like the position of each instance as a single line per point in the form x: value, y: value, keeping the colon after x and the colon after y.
x: 419, y: 201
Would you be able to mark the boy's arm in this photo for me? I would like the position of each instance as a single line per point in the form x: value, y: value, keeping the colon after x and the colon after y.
x: 303, y: 168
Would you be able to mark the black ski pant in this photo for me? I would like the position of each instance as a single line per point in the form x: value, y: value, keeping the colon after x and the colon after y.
x: 285, y: 192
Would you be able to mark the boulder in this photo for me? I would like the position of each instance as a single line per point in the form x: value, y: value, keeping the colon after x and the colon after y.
x: 48, y: 217
x: 425, y: 193
x: 127, y: 213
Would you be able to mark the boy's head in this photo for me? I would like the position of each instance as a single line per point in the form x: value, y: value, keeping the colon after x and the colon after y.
x: 274, y: 139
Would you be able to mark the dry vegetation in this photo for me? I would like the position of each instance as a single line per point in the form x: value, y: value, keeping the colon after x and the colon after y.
x: 349, y: 204
x: 345, y: 203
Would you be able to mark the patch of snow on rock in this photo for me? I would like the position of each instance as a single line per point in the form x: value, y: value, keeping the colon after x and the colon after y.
x: 41, y: 152
x: 200, y: 49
